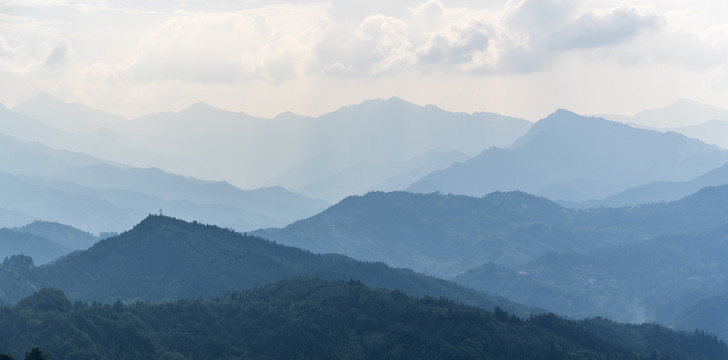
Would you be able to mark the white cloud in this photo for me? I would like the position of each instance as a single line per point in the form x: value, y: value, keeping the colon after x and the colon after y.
x: 168, y: 53
x: 688, y: 41
x: 59, y: 55
x: 597, y: 29
x: 536, y: 17
x: 6, y: 51
x: 263, y: 44
x: 457, y: 44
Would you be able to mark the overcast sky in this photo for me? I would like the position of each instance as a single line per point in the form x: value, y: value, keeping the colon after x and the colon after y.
x: 520, y: 57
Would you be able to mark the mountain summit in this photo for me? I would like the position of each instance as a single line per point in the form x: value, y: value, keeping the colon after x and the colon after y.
x: 567, y: 156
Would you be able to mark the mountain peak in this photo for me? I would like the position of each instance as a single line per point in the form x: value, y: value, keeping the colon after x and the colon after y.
x: 200, y: 106
x: 566, y: 123
x: 680, y: 113
x: 41, y: 99
x: 203, y: 109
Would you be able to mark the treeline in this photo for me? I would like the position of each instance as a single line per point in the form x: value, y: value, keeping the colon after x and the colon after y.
x: 307, y: 318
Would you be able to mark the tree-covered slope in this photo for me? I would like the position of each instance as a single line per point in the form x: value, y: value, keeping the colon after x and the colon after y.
x: 444, y: 235
x: 309, y: 318
x: 164, y: 259
x: 655, y: 280
x: 437, y: 234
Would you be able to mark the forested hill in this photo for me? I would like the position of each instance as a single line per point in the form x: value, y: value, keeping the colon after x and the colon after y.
x: 164, y: 259
x: 307, y: 318
x: 444, y: 235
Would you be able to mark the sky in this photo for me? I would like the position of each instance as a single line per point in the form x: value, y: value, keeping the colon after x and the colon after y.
x: 522, y: 58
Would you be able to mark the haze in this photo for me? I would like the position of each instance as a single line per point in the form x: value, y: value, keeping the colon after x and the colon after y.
x: 522, y: 58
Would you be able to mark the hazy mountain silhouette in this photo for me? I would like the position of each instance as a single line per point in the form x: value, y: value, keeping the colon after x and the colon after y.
x: 34, y: 158
x: 72, y: 118
x: 101, y: 143
x: 660, y: 191
x: 657, y: 279
x: 163, y: 258
x: 41, y: 249
x: 699, y: 121
x: 707, y: 314
x: 710, y: 132
x: 64, y: 235
x: 294, y: 151
x: 383, y: 176
x: 108, y: 209
x: 570, y: 157
x: 276, y: 203
x: 681, y: 113
x: 12, y: 218
x: 27, y: 129
x: 96, y: 195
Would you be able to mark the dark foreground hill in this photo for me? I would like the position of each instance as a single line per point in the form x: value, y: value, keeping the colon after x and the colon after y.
x: 164, y: 259
x: 308, y: 318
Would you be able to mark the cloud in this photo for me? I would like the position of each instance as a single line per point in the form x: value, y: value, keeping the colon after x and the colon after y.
x: 456, y: 45
x: 377, y: 45
x: 595, y: 29
x: 59, y: 55
x: 688, y: 41
x: 536, y: 17
x: 6, y: 51
x: 229, y: 47
x: 175, y: 52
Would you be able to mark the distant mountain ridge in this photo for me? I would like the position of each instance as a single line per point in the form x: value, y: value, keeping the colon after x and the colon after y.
x: 206, y: 142
x: 64, y: 235
x: 43, y: 249
x: 77, y: 118
x: 570, y: 157
x: 681, y: 113
x: 43, y: 241
x: 692, y: 119
x: 384, y: 176
x: 444, y: 235
x: 711, y: 132
x: 97, y: 195
x: 661, y: 191
x: 308, y: 150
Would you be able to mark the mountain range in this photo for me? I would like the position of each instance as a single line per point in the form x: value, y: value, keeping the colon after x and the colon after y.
x: 659, y: 191
x: 41, y: 183
x: 663, y: 278
x: 692, y: 119
x: 570, y: 157
x: 524, y: 218
x: 679, y: 114
x: 164, y: 259
x: 211, y: 143
x: 645, y: 263
x: 445, y: 235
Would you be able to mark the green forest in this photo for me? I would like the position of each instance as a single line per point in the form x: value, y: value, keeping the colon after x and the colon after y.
x: 166, y: 259
x: 308, y: 318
